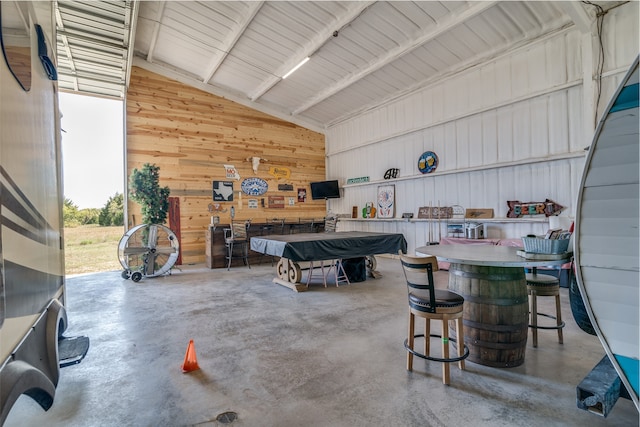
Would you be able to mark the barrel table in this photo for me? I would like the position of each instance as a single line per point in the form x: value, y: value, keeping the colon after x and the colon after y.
x: 492, y: 281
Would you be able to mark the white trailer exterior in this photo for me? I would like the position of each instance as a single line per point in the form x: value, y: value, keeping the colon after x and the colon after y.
x: 32, y: 314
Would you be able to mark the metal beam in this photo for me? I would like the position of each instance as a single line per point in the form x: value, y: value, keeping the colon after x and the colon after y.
x: 227, y: 45
x: 156, y: 30
x: 65, y: 43
x: 393, y: 54
x: 309, y: 49
x: 580, y: 17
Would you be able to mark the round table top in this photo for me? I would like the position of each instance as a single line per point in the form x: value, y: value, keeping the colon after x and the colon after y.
x: 490, y: 255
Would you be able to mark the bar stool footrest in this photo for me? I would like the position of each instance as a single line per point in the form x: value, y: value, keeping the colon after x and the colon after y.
x: 560, y: 326
x: 436, y: 359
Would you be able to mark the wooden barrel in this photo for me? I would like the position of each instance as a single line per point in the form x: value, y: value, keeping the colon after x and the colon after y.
x: 496, y: 314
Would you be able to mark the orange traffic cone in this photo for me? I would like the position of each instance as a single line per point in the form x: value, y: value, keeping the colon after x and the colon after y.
x: 190, y: 361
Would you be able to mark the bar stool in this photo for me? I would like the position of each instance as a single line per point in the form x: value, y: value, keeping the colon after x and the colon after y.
x: 432, y: 304
x: 543, y: 285
x: 237, y: 237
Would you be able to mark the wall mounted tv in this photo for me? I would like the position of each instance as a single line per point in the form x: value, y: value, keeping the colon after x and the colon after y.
x: 325, y: 190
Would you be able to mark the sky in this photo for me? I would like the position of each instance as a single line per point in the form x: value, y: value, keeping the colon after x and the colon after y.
x: 92, y: 149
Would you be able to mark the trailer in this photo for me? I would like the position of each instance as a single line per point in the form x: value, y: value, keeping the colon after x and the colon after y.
x: 32, y: 289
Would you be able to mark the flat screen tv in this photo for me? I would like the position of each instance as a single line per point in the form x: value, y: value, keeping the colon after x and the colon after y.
x: 325, y: 190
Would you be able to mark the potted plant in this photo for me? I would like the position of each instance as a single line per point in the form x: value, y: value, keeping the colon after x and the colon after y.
x: 144, y: 188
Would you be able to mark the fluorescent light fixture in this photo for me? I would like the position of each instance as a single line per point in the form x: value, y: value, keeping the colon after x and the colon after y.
x: 295, y: 68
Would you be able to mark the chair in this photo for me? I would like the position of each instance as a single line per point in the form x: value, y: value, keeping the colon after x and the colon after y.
x: 543, y: 285
x: 335, y: 264
x: 237, y: 237
x: 432, y: 304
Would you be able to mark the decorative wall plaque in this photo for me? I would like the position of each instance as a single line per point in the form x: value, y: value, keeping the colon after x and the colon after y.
x: 358, y: 180
x: 435, y: 212
x: 547, y: 208
x: 391, y: 173
x: 254, y: 186
x: 428, y: 162
x: 231, y: 172
x: 285, y: 187
x: 223, y: 191
x: 478, y: 213
x: 276, y: 202
x: 386, y: 201
x: 280, y: 172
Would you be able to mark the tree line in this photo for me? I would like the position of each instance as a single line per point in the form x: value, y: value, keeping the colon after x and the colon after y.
x: 112, y: 213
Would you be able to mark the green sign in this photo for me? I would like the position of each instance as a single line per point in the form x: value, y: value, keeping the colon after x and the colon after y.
x: 357, y: 180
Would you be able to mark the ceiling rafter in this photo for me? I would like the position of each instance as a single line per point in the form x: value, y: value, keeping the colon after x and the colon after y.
x: 130, y: 36
x: 232, y: 40
x: 156, y: 30
x: 393, y: 54
x: 65, y: 44
x: 309, y: 49
x: 578, y: 14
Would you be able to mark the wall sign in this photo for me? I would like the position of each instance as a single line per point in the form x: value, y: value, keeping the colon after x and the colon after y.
x: 435, y: 212
x: 223, y: 191
x: 478, y: 213
x: 231, y: 172
x: 391, y: 173
x: 254, y: 186
x: 280, y: 172
x: 358, y: 180
x: 518, y: 209
x: 253, y: 203
x: 276, y: 202
x: 285, y: 187
x: 302, y: 195
x: 427, y: 162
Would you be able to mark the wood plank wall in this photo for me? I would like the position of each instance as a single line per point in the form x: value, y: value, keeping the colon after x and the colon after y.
x: 191, y: 134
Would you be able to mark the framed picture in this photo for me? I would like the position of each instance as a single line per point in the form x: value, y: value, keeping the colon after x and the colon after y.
x: 223, y: 191
x: 386, y: 201
x: 302, y: 195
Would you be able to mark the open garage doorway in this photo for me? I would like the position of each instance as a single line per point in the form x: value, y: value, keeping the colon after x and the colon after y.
x: 93, y: 177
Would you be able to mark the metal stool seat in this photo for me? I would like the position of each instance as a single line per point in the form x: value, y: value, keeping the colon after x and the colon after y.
x: 544, y: 285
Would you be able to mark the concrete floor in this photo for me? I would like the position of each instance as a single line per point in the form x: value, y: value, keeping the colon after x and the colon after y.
x: 325, y: 357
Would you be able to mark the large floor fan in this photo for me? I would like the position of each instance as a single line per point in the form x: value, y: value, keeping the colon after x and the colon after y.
x: 147, y: 250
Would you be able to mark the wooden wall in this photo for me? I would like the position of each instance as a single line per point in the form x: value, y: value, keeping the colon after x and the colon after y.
x: 191, y: 134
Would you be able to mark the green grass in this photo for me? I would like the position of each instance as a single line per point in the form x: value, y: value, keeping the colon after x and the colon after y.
x: 91, y: 249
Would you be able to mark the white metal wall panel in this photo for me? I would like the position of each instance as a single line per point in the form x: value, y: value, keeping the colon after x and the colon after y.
x: 508, y: 78
x: 516, y: 116
x: 621, y: 27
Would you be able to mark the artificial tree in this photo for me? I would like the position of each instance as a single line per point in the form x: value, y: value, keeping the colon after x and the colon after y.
x: 144, y: 188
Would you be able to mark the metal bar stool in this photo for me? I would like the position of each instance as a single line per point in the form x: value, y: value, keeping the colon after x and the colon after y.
x: 237, y: 237
x: 543, y: 285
